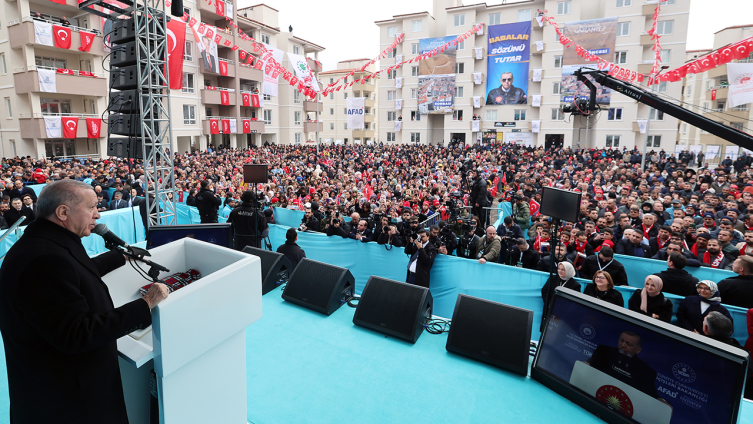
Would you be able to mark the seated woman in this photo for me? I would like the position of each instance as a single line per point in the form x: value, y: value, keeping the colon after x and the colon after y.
x: 565, y: 278
x: 693, y: 309
x: 650, y: 300
x: 603, y: 288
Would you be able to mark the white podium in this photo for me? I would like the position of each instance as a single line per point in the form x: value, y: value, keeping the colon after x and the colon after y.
x: 197, y: 345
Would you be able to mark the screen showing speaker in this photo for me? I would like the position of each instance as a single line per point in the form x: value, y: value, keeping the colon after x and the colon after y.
x: 220, y: 234
x: 561, y: 204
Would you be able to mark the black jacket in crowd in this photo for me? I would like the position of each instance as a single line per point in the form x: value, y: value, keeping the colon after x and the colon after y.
x: 737, y: 291
x: 293, y: 252
x: 207, y: 204
x: 658, y: 305
x: 689, y: 314
x: 678, y: 281
x: 529, y: 259
x: 610, y: 296
x: 425, y: 260
x: 615, y: 269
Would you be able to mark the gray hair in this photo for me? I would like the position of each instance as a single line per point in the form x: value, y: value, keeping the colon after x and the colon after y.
x: 64, y: 192
x: 719, y: 325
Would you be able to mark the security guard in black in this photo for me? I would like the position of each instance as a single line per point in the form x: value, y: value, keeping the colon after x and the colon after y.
x: 242, y: 220
x: 207, y: 203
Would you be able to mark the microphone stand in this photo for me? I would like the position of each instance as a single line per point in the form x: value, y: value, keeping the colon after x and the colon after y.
x: 139, y: 254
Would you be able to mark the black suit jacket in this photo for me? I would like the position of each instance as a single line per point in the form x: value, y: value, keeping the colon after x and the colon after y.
x: 678, y: 281
x: 737, y: 291
x: 20, y: 193
x: 12, y: 215
x: 59, y: 327
x: 615, y: 269
x: 625, y: 247
x: 424, y: 262
x: 689, y: 314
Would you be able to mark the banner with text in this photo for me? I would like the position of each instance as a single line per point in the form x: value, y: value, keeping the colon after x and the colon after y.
x: 508, y: 57
x: 355, y: 107
x: 436, y: 76
x: 597, y: 36
x: 270, y: 85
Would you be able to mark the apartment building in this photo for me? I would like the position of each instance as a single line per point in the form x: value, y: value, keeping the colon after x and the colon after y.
x: 334, y: 110
x: 616, y: 125
x: 706, y: 94
x: 80, y: 88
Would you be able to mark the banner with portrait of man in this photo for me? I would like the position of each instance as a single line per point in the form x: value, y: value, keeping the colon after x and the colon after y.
x: 436, y: 76
x: 204, y: 35
x: 598, y: 37
x: 508, y: 55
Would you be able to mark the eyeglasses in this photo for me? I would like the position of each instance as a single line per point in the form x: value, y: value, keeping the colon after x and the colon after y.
x: 506, y: 79
x: 703, y: 289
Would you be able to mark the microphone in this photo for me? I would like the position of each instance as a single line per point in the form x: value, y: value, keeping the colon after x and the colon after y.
x: 109, y: 236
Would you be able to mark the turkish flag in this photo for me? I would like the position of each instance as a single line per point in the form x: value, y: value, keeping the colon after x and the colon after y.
x: 226, y: 126
x: 713, y: 94
x: 87, y: 39
x: 176, y: 45
x: 224, y: 98
x: 223, y: 68
x: 62, y: 36
x: 70, y: 125
x: 64, y: 71
x: 255, y: 100
x: 534, y: 207
x: 246, y: 126
x: 246, y: 99
x: 93, y: 125
x: 214, y: 126
x: 242, y: 54
x: 220, y: 7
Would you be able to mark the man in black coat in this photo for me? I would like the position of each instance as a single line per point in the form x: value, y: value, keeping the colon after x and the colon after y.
x: 207, y: 203
x: 19, y: 190
x: 309, y: 222
x: 246, y: 226
x: 560, y: 255
x: 676, y: 280
x: 58, y: 322
x: 604, y: 261
x: 738, y: 291
x: 361, y: 232
x: 290, y: 248
x: 622, y: 362
x: 16, y: 211
x: 524, y: 254
x: 631, y: 245
x: 422, y: 257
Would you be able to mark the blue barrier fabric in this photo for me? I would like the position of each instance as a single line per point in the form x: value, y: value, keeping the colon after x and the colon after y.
x: 638, y: 268
x: 503, y: 209
x: 37, y: 188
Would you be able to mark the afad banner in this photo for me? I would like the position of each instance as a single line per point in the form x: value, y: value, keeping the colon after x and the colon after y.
x: 598, y: 37
x: 436, y: 76
x: 508, y: 57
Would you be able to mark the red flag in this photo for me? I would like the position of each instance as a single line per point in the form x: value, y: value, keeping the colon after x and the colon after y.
x: 246, y: 99
x: 220, y: 7
x: 242, y: 54
x: 224, y: 98
x: 713, y: 94
x: 223, y: 68
x: 62, y: 36
x: 176, y: 44
x: 534, y: 207
x: 250, y: 59
x: 214, y: 126
x: 64, y: 71
x: 246, y: 126
x: 226, y: 126
x: 87, y: 39
x: 70, y: 125
x: 93, y: 125
x: 255, y: 100
x: 86, y: 74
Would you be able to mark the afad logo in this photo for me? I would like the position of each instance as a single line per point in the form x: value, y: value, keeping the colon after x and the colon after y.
x: 744, y: 79
x: 683, y: 373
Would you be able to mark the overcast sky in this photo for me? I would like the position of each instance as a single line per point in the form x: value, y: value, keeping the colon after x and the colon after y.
x: 347, y: 31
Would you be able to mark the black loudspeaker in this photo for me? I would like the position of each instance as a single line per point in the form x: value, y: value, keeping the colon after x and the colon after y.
x: 394, y: 308
x: 491, y: 332
x: 123, y: 31
x: 319, y: 286
x: 117, y: 147
x: 176, y: 8
x: 275, y: 268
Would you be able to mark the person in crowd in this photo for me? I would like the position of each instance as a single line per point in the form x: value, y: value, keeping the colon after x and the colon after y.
x: 701, y: 244
x: 290, y: 248
x: 310, y: 223
x: 18, y: 210
x: 675, y: 245
x: 28, y: 202
x: 508, y: 228
x: 391, y: 237
x: 101, y: 203
x: 488, y: 248
x: 335, y: 227
x: 746, y: 247
x: 560, y: 254
x: 738, y: 290
x: 19, y: 189
x: 524, y: 255
x: 693, y: 309
x: 720, y: 327
x: 602, y: 288
x: 565, y: 277
x: 714, y: 257
x: 650, y: 300
x: 675, y: 279
x: 361, y: 232
x: 422, y: 254
x: 604, y: 261
x: 521, y: 212
x: 207, y: 203
x: 248, y: 222
x: 631, y: 245
x: 117, y: 201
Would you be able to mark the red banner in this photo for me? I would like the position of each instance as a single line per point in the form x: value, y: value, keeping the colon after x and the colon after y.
x: 176, y: 45
x: 224, y: 98
x: 220, y: 7
x: 713, y: 94
x: 58, y: 1
x: 255, y: 100
x: 223, y: 68
x: 226, y: 126
x: 62, y: 36
x: 87, y: 39
x: 64, y: 71
x: 246, y: 99
x: 242, y: 54
x: 86, y: 74
x: 214, y: 126
x: 246, y: 126
x: 70, y: 126
x: 93, y: 125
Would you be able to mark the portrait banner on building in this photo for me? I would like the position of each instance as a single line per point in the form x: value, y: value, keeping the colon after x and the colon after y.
x: 436, y: 76
x: 597, y: 36
x: 354, y: 107
x: 508, y: 54
x: 204, y: 35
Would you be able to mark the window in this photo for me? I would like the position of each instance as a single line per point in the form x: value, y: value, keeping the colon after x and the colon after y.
x: 740, y: 108
x: 297, y: 118
x: 620, y: 57
x: 188, y: 52
x: 736, y: 125
x: 345, y: 110
x: 653, y: 141
x: 558, y: 61
x: 391, y: 95
x: 414, y: 71
x: 3, y: 65
x: 556, y: 88
x: 188, y: 86
x: 494, y: 18
x: 557, y: 114
x: 187, y: 11
x: 415, y: 137
x: 458, y: 92
x: 55, y: 106
x: 296, y: 97
x: 366, y: 125
x: 189, y: 114
x: 524, y: 15
x: 331, y: 111
x: 685, y: 128
x: 666, y: 56
x: 331, y: 126
x: 624, y: 3
x: 656, y: 115
x: 345, y: 95
x: 414, y: 115
x: 267, y: 97
x: 459, y: 20
x: 623, y: 29
x: 268, y: 116
x: 415, y: 26
x: 669, y: 3
x: 690, y: 91
x: 297, y: 138
x: 345, y: 126
x: 461, y: 45
x: 391, y: 116
x: 390, y: 55
x: 460, y: 68
x: 520, y: 114
x: 390, y: 136
x: 331, y: 96
x: 413, y: 93
x: 296, y: 50
x: 265, y: 40
x: 662, y: 87
x: 414, y: 48
x: 391, y: 31
x: 615, y: 114
x: 457, y: 115
x: 207, y: 111
x: 8, y: 107
x: 613, y: 141
x: 664, y: 27
x: 392, y: 74
x: 563, y: 7
x: 491, y: 115
x: 50, y: 62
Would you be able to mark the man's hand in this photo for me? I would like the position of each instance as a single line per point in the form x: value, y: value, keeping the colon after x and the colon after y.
x: 303, y: 227
x: 358, y: 236
x: 156, y: 294
x: 418, y: 244
x: 482, y: 261
x: 443, y: 250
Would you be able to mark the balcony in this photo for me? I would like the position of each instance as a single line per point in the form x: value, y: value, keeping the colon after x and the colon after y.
x: 230, y: 68
x: 721, y: 93
x: 212, y: 97
x: 209, y: 12
x: 534, y: 49
x: 646, y: 40
x: 720, y: 71
x: 645, y: 68
x: 648, y: 9
x: 727, y: 116
x: 312, y: 64
x: 312, y: 127
x: 22, y: 34
x: 28, y: 82
x: 249, y: 73
x: 312, y: 106
x: 33, y: 127
x: 256, y: 126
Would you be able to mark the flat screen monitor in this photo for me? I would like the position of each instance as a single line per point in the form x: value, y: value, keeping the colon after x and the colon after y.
x: 219, y: 234
x: 255, y: 174
x: 561, y: 204
x: 627, y: 368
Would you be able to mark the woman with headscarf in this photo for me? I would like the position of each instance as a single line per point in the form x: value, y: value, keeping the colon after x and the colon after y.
x: 603, y: 288
x: 565, y: 278
x: 693, y: 309
x: 650, y: 300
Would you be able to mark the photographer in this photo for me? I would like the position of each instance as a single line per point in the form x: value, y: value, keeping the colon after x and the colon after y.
x: 411, y: 230
x: 422, y: 258
x: 309, y: 221
x: 509, y: 229
x: 207, y: 203
x: 319, y: 217
x: 361, y: 232
x: 381, y: 224
x: 335, y: 227
x: 448, y: 241
x: 478, y: 189
x: 488, y: 248
x: 468, y: 242
x: 523, y: 255
x: 390, y: 237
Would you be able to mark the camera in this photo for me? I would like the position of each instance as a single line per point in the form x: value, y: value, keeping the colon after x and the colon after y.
x: 300, y: 227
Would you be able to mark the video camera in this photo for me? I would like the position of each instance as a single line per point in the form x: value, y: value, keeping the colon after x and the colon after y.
x: 579, y: 106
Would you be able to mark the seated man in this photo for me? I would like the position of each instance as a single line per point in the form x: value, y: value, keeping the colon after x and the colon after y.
x: 524, y: 255
x: 720, y: 328
x: 361, y: 232
x: 604, y: 261
x: 738, y: 291
x: 290, y: 248
x: 676, y: 280
x: 715, y: 258
x: 676, y: 246
x: 631, y: 245
x: 545, y: 264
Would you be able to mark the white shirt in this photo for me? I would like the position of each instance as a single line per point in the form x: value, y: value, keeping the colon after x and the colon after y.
x: 412, y: 267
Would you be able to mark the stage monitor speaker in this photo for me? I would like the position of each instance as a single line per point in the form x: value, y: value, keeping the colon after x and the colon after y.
x: 255, y: 174
x: 394, y: 308
x: 319, y: 286
x: 491, y: 332
x: 275, y: 268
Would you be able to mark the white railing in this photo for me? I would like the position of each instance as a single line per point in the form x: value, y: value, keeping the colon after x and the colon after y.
x: 75, y: 71
x: 250, y: 92
x: 222, y: 117
x: 72, y: 27
x: 232, y: 90
x: 43, y: 114
x: 13, y: 22
x: 228, y: 61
